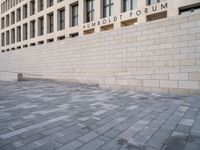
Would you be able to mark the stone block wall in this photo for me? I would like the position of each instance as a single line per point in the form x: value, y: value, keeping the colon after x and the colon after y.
x: 162, y: 56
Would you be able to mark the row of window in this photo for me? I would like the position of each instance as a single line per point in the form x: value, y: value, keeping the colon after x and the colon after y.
x: 8, y: 4
x: 108, y: 7
x: 50, y: 28
x: 7, y: 21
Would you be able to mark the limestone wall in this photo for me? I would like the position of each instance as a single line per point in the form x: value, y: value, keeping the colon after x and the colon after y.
x: 163, y: 55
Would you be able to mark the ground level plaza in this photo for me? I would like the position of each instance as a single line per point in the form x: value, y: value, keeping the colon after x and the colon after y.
x: 51, y: 115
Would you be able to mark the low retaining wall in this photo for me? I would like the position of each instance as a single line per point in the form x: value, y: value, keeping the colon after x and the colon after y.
x: 161, y: 56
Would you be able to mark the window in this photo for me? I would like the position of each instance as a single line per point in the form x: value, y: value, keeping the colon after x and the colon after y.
x: 32, y: 29
x: 74, y: 8
x: 72, y: 35
x: 50, y: 23
x: 7, y: 37
x: 25, y: 31
x: 32, y: 7
x: 129, y: 5
x: 89, y: 10
x: 108, y: 6
x: 18, y: 33
x: 59, y: 1
x: 151, y: 2
x: 12, y: 17
x: 40, y: 5
x: 2, y: 39
x: 189, y: 9
x: 2, y: 23
x: 13, y: 2
x: 25, y: 11
x: 61, y: 19
x: 41, y: 26
x: 49, y: 3
x: 12, y: 36
x: 18, y: 14
x: 7, y: 20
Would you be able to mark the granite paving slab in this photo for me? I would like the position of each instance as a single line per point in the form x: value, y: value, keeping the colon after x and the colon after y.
x: 55, y: 115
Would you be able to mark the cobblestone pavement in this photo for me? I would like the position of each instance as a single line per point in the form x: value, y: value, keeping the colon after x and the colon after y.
x: 49, y: 115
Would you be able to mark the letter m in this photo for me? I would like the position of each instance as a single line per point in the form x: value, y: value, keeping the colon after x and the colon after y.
x: 164, y: 6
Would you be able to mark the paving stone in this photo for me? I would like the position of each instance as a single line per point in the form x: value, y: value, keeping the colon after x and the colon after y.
x: 68, y: 138
x: 71, y: 146
x: 88, y: 137
x: 187, y: 122
x: 192, y: 146
x: 57, y: 115
x: 94, y: 144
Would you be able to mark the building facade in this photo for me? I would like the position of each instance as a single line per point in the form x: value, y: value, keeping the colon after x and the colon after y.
x: 26, y: 23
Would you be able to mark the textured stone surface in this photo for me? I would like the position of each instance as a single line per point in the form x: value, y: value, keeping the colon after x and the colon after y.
x: 158, y: 56
x: 68, y: 116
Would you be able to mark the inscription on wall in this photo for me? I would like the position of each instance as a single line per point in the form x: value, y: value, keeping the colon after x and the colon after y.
x: 127, y: 15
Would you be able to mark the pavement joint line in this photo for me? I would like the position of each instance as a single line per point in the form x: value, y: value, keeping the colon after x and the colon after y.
x: 22, y: 130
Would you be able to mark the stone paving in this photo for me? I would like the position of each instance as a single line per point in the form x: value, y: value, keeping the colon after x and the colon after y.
x: 52, y: 115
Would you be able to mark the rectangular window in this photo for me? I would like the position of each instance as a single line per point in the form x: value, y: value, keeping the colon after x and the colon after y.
x: 41, y: 26
x: 7, y: 37
x: 7, y: 20
x: 2, y: 23
x: 18, y: 14
x: 59, y: 1
x: 25, y: 11
x: 50, y: 23
x: 13, y: 36
x: 108, y: 6
x: 89, y: 10
x: 2, y: 39
x: 32, y: 7
x: 189, y: 9
x: 40, y: 5
x: 12, y: 17
x: 25, y: 31
x: 61, y: 19
x: 74, y: 10
x: 32, y: 29
x: 49, y: 3
x: 151, y: 2
x: 129, y: 5
x: 13, y: 2
x: 18, y: 33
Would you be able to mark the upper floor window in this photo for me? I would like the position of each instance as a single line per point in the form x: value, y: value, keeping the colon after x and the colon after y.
x: 40, y: 5
x: 129, y: 5
x: 74, y: 8
x: 2, y: 23
x: 32, y: 29
x: 13, y: 36
x: 32, y: 7
x: 18, y: 33
x: 50, y: 23
x: 59, y: 1
x: 89, y: 10
x: 150, y: 2
x: 41, y: 26
x: 25, y: 31
x: 18, y: 14
x: 2, y: 39
x: 25, y: 10
x: 7, y: 20
x: 12, y: 17
x: 108, y: 6
x: 7, y: 37
x: 61, y: 19
x: 49, y: 3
